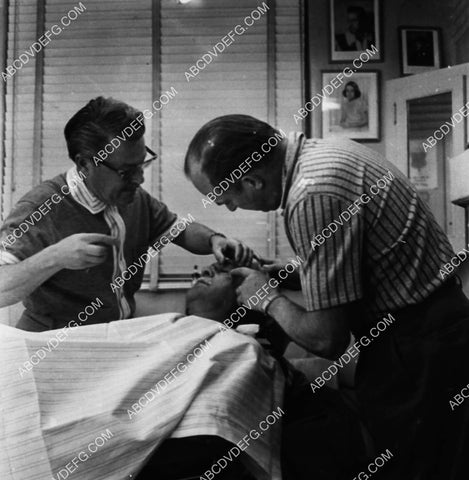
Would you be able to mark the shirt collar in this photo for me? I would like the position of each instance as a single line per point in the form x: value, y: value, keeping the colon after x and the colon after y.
x: 80, y: 193
x: 295, y: 142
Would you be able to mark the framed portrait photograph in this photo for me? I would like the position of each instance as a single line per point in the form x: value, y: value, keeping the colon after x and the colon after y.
x: 352, y: 109
x: 355, y: 26
x: 420, y: 49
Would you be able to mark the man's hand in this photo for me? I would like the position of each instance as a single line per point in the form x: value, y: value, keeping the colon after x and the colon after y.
x: 230, y: 249
x: 83, y: 250
x: 323, y: 332
x: 253, y: 282
x: 273, y: 267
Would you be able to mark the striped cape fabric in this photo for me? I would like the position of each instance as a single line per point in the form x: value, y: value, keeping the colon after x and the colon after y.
x: 86, y: 385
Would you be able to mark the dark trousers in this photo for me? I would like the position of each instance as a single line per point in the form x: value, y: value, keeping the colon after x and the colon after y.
x: 405, y: 380
x: 322, y: 437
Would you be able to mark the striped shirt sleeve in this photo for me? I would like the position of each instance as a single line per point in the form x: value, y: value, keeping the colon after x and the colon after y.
x: 330, y: 240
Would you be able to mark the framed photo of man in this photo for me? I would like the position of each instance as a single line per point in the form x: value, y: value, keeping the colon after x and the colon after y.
x: 355, y: 26
x: 352, y: 109
x: 420, y: 49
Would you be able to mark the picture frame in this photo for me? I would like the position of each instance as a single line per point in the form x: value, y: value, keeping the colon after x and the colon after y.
x: 354, y: 26
x: 420, y: 49
x: 351, y: 110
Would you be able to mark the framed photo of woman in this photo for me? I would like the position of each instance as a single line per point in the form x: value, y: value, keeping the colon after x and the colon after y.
x: 354, y: 28
x: 350, y: 105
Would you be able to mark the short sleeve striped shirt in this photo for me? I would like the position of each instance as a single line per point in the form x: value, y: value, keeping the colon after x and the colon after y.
x: 362, y: 229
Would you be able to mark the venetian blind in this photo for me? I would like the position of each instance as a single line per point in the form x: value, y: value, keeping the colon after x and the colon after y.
x: 106, y: 51
x: 289, y: 87
x: 19, y: 105
x: 234, y: 82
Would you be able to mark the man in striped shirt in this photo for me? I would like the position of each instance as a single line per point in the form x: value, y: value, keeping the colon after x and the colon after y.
x: 371, y: 247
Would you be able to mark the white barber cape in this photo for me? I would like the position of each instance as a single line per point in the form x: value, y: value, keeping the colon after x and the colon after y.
x: 102, y: 397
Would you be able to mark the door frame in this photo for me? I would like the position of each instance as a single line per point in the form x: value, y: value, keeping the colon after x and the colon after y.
x: 397, y: 94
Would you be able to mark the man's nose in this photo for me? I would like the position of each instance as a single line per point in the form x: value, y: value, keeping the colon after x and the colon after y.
x: 228, y: 204
x: 137, y: 176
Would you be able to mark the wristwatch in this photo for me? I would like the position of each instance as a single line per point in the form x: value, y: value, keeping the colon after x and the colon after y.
x: 267, y: 302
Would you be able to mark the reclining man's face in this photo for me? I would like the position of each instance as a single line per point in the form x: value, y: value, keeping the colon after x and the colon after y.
x: 214, y: 297
x: 214, y: 294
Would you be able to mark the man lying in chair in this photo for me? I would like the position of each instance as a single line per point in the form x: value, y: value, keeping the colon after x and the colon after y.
x: 152, y: 386
x: 322, y: 437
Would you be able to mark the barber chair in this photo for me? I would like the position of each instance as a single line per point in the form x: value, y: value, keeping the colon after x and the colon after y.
x: 189, y: 458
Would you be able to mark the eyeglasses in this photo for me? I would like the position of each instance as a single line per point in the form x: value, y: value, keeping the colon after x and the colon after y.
x: 128, y: 173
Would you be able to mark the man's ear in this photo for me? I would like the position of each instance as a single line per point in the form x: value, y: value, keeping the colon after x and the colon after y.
x: 82, y: 163
x: 253, y: 181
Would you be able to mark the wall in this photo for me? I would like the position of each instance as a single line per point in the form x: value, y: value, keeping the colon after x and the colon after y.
x: 462, y: 48
x: 149, y: 303
x: 460, y: 30
x: 394, y: 13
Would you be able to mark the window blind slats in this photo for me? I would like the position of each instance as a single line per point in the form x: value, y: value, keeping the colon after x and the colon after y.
x: 289, y: 96
x: 89, y: 58
x: 234, y: 82
x: 108, y: 51
x: 19, y: 111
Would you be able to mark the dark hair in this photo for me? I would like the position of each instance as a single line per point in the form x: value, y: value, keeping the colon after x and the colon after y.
x: 222, y: 144
x: 97, y: 123
x: 355, y: 87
